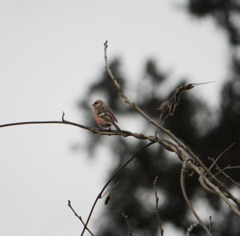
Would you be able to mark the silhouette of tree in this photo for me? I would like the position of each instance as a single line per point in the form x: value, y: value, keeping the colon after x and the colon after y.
x: 224, y: 12
x: 132, y: 193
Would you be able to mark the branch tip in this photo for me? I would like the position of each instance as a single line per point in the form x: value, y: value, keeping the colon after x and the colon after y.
x: 106, y: 44
x: 63, y: 116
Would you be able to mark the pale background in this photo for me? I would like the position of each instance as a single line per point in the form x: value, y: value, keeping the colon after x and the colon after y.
x: 50, y: 52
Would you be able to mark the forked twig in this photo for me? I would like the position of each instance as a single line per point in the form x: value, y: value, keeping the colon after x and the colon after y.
x: 169, y: 106
x: 222, y: 171
x: 79, y: 217
x: 221, y: 154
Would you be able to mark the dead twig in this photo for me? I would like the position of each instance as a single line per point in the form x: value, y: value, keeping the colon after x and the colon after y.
x: 221, y: 154
x: 222, y: 171
x: 123, y: 133
x: 168, y: 107
x: 130, y: 232
x: 215, y: 189
x: 211, y: 223
x: 190, y: 228
x: 157, y: 208
x: 79, y: 217
x: 182, y: 182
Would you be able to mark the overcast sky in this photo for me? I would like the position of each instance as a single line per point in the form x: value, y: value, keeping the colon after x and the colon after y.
x: 50, y: 52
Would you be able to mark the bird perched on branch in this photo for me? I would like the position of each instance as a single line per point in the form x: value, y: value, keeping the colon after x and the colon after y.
x: 103, y: 115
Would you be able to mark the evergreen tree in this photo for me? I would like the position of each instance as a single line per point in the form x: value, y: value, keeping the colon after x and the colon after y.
x: 133, y: 193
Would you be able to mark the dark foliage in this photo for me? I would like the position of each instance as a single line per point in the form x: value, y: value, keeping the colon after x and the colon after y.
x: 225, y: 12
x: 133, y: 195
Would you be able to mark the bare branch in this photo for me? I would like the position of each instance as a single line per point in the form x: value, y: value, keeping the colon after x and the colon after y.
x: 169, y: 106
x: 182, y: 182
x: 221, y: 154
x: 207, y: 179
x: 211, y: 223
x: 79, y: 217
x: 222, y: 171
x: 223, y: 196
x: 63, y: 116
x: 121, y: 92
x: 190, y: 228
x: 157, y: 211
x: 123, y: 133
x: 110, y: 180
x: 165, y: 143
x: 130, y: 233
x: 231, y: 167
x: 216, y: 190
x: 166, y: 131
x: 202, y: 181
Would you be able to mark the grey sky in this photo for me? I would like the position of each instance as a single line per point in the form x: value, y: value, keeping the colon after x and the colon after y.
x: 50, y: 51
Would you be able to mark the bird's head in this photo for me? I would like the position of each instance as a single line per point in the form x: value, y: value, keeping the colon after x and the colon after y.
x: 97, y: 103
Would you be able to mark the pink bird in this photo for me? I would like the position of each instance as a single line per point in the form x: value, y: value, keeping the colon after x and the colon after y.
x: 103, y: 115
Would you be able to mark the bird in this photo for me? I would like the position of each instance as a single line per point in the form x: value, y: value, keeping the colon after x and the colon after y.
x: 104, y: 116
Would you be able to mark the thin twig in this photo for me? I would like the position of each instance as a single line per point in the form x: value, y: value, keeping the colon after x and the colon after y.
x: 223, y: 196
x: 130, y: 232
x: 182, y: 182
x: 222, y: 171
x: 79, y: 217
x: 63, y: 116
x: 190, y: 228
x: 229, y: 167
x: 208, y: 185
x: 221, y: 154
x: 169, y: 106
x: 211, y: 223
x: 110, y: 180
x: 202, y: 181
x: 232, y: 167
x: 123, y: 133
x: 156, y: 205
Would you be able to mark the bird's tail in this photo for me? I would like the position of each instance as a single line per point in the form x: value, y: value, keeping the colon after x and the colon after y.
x: 116, y: 126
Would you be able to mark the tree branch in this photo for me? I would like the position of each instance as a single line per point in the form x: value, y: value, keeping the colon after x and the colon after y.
x: 79, y: 217
x: 167, y: 132
x: 110, y: 180
x: 182, y: 182
x: 156, y: 205
x: 123, y: 133
x: 130, y: 233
